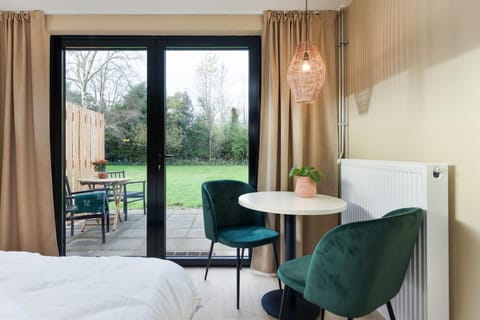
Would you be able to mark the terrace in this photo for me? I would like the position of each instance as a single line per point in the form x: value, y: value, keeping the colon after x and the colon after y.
x: 185, y: 236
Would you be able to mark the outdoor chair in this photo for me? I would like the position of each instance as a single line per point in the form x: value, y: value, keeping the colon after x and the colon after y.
x: 356, y: 267
x: 129, y: 195
x: 227, y: 222
x: 88, y: 204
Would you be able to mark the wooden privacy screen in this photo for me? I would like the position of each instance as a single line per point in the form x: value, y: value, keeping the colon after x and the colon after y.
x: 84, y: 142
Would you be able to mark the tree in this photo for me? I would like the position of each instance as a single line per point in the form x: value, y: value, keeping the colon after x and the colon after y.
x: 72, y: 95
x: 99, y: 77
x: 126, y: 127
x: 221, y: 97
x: 196, y: 141
x: 179, y: 120
x: 236, y: 136
x: 207, y: 82
x: 235, y: 144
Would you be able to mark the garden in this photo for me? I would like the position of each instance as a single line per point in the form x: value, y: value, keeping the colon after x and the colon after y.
x: 205, y: 128
x: 183, y: 181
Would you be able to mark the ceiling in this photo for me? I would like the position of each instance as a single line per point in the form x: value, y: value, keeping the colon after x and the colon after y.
x: 166, y: 6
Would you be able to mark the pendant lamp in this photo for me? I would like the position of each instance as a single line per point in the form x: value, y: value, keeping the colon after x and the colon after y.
x: 306, y: 72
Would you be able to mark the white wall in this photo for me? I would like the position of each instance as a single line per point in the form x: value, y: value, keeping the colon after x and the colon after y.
x: 419, y: 62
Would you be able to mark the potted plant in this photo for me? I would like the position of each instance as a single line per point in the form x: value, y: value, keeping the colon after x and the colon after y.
x: 99, y: 166
x: 307, y: 179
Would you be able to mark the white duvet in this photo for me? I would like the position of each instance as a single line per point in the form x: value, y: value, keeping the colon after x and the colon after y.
x: 39, y: 287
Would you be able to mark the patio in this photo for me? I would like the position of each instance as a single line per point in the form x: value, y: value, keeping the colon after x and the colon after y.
x: 185, y: 236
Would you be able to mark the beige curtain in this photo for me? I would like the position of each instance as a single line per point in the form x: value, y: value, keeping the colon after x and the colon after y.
x: 26, y: 199
x: 292, y: 133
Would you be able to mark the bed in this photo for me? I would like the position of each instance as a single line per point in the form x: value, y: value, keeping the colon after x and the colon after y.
x: 33, y: 286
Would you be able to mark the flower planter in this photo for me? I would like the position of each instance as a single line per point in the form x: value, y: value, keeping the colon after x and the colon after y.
x: 101, y: 175
x: 305, y: 187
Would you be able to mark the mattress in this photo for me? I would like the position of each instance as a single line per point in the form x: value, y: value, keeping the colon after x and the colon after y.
x: 33, y: 286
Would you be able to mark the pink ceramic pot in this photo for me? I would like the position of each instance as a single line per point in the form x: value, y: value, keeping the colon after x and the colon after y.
x: 305, y: 187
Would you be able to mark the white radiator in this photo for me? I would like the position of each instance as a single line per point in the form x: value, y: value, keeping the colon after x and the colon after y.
x: 371, y: 189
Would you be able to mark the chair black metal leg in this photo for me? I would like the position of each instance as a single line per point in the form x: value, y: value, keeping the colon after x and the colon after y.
x: 103, y: 229
x: 322, y: 314
x: 71, y: 226
x: 209, y: 260
x: 390, y: 311
x: 107, y: 213
x: 125, y: 206
x: 283, y: 303
x: 275, y: 254
x: 350, y: 318
x: 241, y: 257
x: 238, y: 278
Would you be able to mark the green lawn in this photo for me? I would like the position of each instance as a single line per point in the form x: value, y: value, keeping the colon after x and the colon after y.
x: 184, y: 181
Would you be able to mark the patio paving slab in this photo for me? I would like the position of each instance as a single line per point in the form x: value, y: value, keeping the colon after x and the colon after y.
x: 185, y: 236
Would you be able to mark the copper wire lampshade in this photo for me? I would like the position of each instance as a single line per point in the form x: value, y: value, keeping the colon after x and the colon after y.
x: 306, y: 72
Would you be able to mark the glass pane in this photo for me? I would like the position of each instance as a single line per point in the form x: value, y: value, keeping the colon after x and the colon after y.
x: 106, y: 117
x: 206, y: 136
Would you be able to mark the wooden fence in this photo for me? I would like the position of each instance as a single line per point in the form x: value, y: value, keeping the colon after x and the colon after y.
x: 84, y: 142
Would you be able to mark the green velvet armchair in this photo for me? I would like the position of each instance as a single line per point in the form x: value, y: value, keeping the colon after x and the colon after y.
x: 227, y: 222
x: 356, y: 267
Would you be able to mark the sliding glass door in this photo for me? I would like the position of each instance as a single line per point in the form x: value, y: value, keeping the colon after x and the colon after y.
x: 176, y: 111
x: 206, y: 127
x: 105, y: 130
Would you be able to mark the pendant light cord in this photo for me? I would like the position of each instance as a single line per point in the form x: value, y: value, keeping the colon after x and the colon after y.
x: 306, y: 20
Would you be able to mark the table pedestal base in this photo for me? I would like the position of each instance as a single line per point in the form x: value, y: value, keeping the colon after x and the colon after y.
x: 297, y: 309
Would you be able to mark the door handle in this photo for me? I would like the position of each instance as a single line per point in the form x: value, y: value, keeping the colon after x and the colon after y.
x: 161, y: 157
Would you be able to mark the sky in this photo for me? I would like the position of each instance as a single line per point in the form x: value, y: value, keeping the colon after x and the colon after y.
x: 182, y: 65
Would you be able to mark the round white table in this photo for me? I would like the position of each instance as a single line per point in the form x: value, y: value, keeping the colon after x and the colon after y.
x: 290, y: 205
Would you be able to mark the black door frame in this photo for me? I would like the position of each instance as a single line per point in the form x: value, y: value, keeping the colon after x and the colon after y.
x: 155, y: 47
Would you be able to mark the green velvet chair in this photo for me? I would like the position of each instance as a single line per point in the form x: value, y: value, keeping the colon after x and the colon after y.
x: 356, y: 267
x: 227, y: 222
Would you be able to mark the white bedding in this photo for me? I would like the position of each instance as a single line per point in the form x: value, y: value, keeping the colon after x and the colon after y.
x: 39, y: 287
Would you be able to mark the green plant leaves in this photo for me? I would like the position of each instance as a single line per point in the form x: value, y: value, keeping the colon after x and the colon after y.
x: 306, y: 171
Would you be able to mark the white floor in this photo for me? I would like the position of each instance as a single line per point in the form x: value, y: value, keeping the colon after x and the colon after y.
x: 219, y: 297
